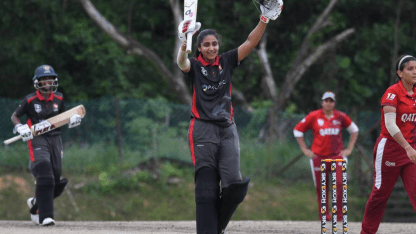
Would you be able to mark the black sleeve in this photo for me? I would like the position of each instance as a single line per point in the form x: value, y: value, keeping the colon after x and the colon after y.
x: 231, y: 58
x: 21, y: 110
x: 63, y: 107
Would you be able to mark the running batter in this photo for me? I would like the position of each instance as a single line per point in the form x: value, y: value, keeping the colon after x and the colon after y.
x: 326, y: 124
x: 394, y: 153
x: 213, y: 136
x: 45, y: 151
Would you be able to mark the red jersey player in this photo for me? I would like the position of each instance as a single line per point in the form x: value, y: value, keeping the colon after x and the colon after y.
x: 394, y: 153
x: 326, y: 124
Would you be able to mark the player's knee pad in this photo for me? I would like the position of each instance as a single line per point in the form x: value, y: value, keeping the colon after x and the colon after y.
x: 59, y: 187
x: 236, y: 192
x: 44, y: 174
x: 206, y: 185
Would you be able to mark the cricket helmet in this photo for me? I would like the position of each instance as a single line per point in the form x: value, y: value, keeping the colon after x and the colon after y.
x: 45, y: 71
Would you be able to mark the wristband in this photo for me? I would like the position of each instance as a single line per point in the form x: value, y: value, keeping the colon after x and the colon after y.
x: 264, y: 19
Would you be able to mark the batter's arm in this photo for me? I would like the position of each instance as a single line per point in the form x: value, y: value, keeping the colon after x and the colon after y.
x: 15, y: 119
x: 182, y: 60
x: 252, y: 41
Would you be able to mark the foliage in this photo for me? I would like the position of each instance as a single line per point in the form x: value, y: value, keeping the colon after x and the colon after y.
x: 91, y: 65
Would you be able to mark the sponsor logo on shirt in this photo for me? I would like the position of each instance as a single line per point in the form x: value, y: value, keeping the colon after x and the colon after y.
x: 329, y: 131
x: 218, y: 109
x: 214, y: 87
x: 55, y: 107
x: 204, y: 72
x: 408, y: 117
x: 38, y: 108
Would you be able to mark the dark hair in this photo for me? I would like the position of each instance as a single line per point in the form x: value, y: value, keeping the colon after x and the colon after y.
x: 201, y: 36
x: 402, y: 61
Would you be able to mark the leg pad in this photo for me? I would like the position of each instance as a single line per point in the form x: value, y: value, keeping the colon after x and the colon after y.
x: 206, y: 197
x: 231, y: 197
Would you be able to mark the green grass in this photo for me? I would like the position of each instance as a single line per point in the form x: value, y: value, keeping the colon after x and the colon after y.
x: 145, y: 197
x: 121, y: 189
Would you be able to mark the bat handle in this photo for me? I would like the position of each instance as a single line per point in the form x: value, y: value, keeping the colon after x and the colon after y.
x: 189, y: 42
x: 11, y: 140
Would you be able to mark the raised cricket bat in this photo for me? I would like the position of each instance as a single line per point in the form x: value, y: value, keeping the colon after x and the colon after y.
x: 51, y: 123
x: 189, y: 14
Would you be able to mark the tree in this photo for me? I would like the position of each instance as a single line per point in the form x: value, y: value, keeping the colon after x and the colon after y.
x: 306, y: 57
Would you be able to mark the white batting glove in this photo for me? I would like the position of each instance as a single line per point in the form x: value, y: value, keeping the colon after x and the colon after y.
x: 271, y: 9
x: 183, y: 29
x: 15, y: 128
x: 24, y: 131
x: 74, y: 121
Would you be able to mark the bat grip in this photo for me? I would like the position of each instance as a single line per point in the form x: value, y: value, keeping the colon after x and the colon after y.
x: 11, y: 140
x: 189, y: 42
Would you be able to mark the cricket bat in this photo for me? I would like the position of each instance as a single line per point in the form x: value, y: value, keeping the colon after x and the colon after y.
x: 51, y: 123
x: 189, y: 14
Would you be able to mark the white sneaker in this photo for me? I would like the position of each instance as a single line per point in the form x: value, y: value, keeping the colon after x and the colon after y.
x: 35, y: 218
x: 30, y: 202
x: 48, y: 222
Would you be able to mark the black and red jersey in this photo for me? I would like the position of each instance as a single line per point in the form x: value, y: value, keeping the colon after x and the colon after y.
x: 37, y: 109
x: 211, y: 88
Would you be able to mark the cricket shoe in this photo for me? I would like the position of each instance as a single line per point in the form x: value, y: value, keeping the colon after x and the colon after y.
x: 48, y: 222
x: 31, y: 202
x: 34, y: 217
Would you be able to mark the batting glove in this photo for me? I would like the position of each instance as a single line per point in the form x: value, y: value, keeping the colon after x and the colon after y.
x: 270, y: 9
x: 183, y: 29
x: 24, y: 131
x: 74, y: 121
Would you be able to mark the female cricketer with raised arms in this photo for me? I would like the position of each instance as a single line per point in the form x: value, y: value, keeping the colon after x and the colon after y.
x: 394, y: 153
x: 213, y: 136
x: 326, y: 124
x: 45, y: 150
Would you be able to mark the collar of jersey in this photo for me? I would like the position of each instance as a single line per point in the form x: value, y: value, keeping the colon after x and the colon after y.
x: 40, y: 97
x: 323, y: 113
x: 205, y: 63
x: 405, y: 91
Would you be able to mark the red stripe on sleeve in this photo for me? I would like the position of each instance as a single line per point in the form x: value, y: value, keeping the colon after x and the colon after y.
x: 191, y: 140
x: 59, y: 97
x: 29, y: 143
x: 194, y: 110
x: 31, y: 99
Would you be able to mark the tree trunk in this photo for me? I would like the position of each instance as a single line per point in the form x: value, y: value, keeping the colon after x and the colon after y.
x: 175, y: 77
x: 304, y: 59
